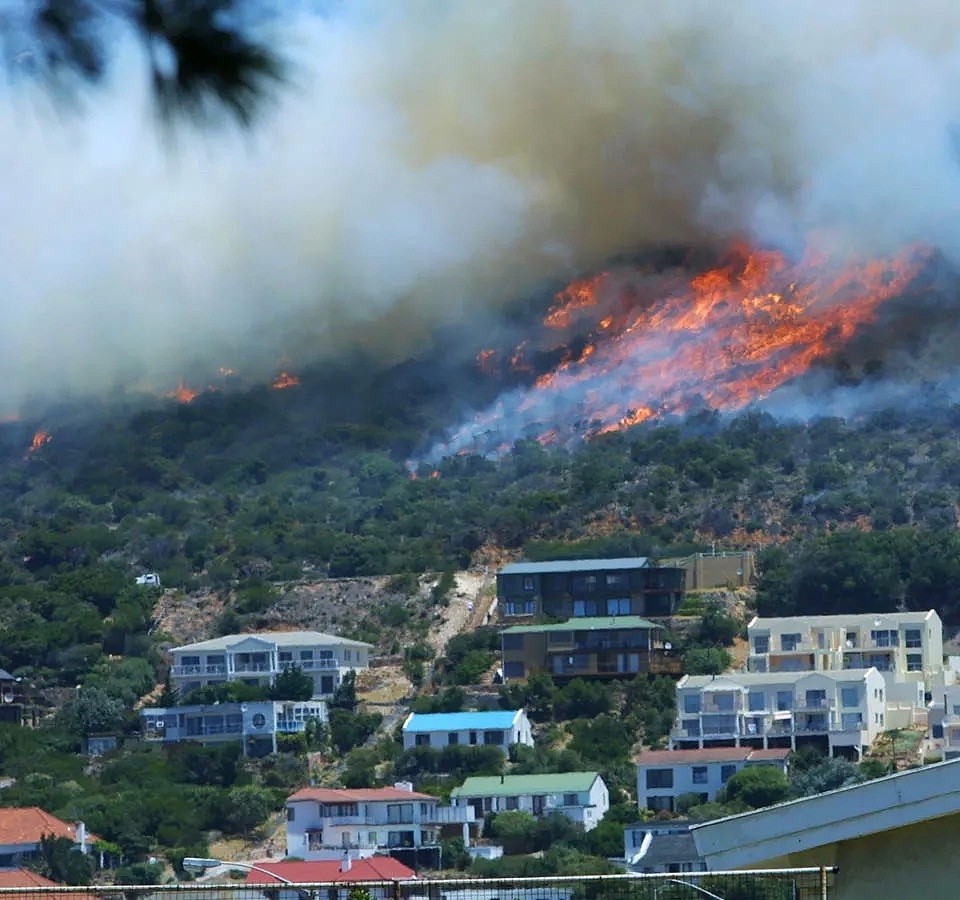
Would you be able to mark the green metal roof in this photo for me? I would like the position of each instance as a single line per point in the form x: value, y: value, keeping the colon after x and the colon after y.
x: 515, y: 785
x: 587, y: 623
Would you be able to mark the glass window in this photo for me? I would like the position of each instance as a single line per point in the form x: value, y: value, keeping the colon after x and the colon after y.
x: 513, y: 802
x: 885, y: 638
x: 616, y: 580
x: 453, y: 738
x: 755, y: 701
x: 421, y: 740
x: 699, y: 774
x: 789, y: 641
x: 761, y: 643
x: 659, y: 778
x: 913, y: 638
x: 618, y: 606
x: 493, y: 737
x: 291, y: 813
x: 784, y: 700
x: 914, y: 662
x: 691, y: 703
x: 528, y: 582
x: 850, y: 696
x: 569, y: 799
x: 724, y: 702
x: 727, y: 772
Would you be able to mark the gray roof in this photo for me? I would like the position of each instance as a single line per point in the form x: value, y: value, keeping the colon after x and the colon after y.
x: 575, y: 565
x: 678, y: 847
x: 279, y: 638
x: 732, y: 680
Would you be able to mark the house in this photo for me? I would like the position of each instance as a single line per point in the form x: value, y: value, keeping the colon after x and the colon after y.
x: 905, y: 647
x: 257, y: 659
x: 656, y: 847
x: 706, y: 571
x: 487, y: 728
x: 23, y: 828
x: 149, y: 579
x: 838, y: 712
x: 16, y: 704
x: 377, y: 873
x: 586, y: 588
x: 665, y: 775
x: 597, y: 647
x: 257, y: 723
x: 581, y: 796
x: 323, y: 823
x: 892, y: 837
x: 943, y: 718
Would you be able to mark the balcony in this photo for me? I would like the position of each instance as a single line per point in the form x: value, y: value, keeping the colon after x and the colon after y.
x: 451, y: 815
x: 253, y: 668
x: 312, y: 665
x: 814, y: 703
x: 185, y: 671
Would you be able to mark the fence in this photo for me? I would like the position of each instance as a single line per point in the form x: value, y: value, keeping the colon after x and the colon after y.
x: 772, y: 884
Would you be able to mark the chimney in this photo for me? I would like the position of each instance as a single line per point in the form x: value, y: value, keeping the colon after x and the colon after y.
x: 404, y: 786
x: 81, y: 832
x: 346, y: 863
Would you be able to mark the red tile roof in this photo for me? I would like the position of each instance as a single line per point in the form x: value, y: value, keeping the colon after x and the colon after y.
x: 708, y: 754
x: 27, y: 824
x: 360, y: 795
x: 375, y: 868
x: 23, y: 878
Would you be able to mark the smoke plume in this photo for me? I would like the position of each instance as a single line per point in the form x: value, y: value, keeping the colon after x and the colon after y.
x: 432, y: 159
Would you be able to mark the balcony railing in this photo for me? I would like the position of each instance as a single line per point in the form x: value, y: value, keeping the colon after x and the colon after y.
x: 220, y: 669
x: 814, y: 703
x: 256, y: 668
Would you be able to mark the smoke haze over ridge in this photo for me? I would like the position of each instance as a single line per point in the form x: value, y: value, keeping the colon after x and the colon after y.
x: 434, y: 158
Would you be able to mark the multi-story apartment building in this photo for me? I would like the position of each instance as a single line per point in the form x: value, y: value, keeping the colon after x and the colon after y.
x: 906, y: 648
x: 580, y: 796
x: 588, y: 588
x: 597, y: 647
x: 328, y: 823
x: 258, y: 658
x: 665, y: 775
x: 943, y: 716
x: 257, y: 724
x: 499, y: 728
x: 841, y: 712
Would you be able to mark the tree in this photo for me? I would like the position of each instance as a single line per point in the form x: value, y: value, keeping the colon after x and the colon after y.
x: 828, y: 775
x: 706, y: 661
x: 201, y: 58
x: 345, y: 696
x: 757, y: 786
x: 61, y: 861
x: 247, y: 808
x: 90, y: 712
x: 291, y: 684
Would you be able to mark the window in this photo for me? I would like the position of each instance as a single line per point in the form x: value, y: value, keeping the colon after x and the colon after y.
x: 513, y: 802
x: 851, y: 721
x: 755, y: 701
x: 699, y: 774
x: 332, y: 893
x: 616, y: 580
x: 513, y: 642
x: 659, y: 778
x: 583, y: 608
x: 789, y: 641
x: 727, y: 772
x: 421, y: 740
x: 850, y: 696
x: 291, y: 813
x: 956, y: 709
x: 493, y: 737
x: 885, y: 638
x: 724, y: 702
x: 913, y: 638
x: 453, y: 738
x: 521, y: 607
x: 473, y: 737
x: 399, y: 813
x: 570, y: 799
x: 306, y: 655
x: 691, y: 703
x: 528, y: 584
x: 784, y: 700
x: 761, y: 644
x: 619, y: 606
x: 284, y: 656
x: 346, y: 656
x: 914, y: 662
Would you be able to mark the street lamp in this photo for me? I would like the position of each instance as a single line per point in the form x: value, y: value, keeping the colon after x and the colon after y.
x: 201, y: 864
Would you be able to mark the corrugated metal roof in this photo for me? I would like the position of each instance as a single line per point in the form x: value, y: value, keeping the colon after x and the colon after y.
x: 420, y: 723
x: 516, y: 785
x: 575, y: 565
x: 587, y: 623
x: 279, y: 638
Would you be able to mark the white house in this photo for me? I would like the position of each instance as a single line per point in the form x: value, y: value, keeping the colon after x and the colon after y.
x: 323, y: 823
x: 943, y: 717
x: 841, y: 712
x: 257, y: 724
x: 580, y: 796
x: 258, y: 658
x: 665, y: 775
x: 891, y: 837
x: 905, y: 647
x: 656, y: 847
x: 495, y: 727
x: 23, y: 827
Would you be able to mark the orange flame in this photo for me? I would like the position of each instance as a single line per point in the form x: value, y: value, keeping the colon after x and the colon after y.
x: 39, y: 439
x: 183, y: 394
x: 284, y: 380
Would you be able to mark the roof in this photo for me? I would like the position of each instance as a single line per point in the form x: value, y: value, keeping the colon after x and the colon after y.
x: 662, y: 849
x: 358, y: 795
x: 587, y: 623
x: 575, y: 565
x: 895, y: 801
x: 420, y: 723
x: 709, y: 754
x: 733, y: 680
x: 28, y: 824
x: 10, y: 878
x: 374, y: 868
x: 514, y: 785
x: 279, y: 638
x: 858, y: 619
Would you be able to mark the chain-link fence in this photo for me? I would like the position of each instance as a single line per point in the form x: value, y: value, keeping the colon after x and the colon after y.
x: 774, y: 884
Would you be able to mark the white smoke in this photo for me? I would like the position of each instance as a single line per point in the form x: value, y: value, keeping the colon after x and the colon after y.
x: 432, y: 158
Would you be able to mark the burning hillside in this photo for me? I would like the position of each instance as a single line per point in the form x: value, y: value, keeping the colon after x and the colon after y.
x: 630, y: 344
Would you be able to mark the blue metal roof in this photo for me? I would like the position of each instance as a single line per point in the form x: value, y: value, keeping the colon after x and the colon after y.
x: 494, y: 719
x: 575, y: 565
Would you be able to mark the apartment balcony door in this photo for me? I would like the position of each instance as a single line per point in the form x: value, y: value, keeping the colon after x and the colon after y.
x: 539, y: 804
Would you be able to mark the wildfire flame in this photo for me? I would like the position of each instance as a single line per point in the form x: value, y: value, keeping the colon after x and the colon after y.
x: 662, y: 346
x: 39, y: 439
x: 284, y: 380
x: 183, y: 394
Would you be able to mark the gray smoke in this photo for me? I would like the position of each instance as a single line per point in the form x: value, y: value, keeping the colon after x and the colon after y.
x: 434, y: 158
